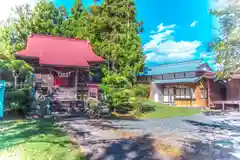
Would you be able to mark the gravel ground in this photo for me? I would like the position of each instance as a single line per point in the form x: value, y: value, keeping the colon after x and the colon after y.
x: 206, y: 136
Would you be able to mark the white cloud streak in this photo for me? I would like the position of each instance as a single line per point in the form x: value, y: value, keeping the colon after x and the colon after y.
x: 194, y: 23
x: 163, y: 49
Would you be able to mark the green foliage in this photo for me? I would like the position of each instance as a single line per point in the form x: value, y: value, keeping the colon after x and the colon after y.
x: 111, y: 28
x: 142, y: 90
x: 227, y: 44
x: 145, y: 106
x: 122, y: 95
x: 116, y: 37
x: 18, y: 99
x: 39, y: 139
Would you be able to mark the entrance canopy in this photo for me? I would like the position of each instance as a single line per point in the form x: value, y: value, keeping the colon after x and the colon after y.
x: 59, y: 51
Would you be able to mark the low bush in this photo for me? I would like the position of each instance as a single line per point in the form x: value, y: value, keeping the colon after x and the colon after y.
x: 18, y: 100
x: 145, y: 106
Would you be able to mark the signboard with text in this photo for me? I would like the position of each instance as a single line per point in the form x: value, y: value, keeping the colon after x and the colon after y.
x: 93, y: 91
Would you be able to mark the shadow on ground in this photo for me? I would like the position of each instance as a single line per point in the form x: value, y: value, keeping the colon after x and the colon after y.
x: 212, y: 145
x: 103, y: 124
x: 139, y: 148
x: 22, y: 131
x: 199, y: 150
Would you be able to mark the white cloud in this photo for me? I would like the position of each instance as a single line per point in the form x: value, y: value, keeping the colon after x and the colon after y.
x: 161, y: 27
x: 157, y: 38
x: 163, y: 49
x: 7, y: 5
x: 194, y: 23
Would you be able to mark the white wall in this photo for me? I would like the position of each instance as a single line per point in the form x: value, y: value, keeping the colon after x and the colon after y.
x: 157, y: 92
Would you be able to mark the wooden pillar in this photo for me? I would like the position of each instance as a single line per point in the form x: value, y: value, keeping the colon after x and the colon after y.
x: 209, y: 92
x: 76, y: 82
x: 223, y: 106
x: 76, y: 78
x: 50, y: 80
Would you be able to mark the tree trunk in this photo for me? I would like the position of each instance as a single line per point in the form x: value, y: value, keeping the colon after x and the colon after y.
x: 42, y: 109
x: 15, y: 82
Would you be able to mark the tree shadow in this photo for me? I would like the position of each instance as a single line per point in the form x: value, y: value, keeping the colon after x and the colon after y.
x: 108, y: 124
x: 210, y: 148
x: 214, y: 125
x: 24, y: 131
x: 199, y: 150
x: 214, y: 113
x: 102, y: 124
x: 124, y: 118
x: 139, y: 148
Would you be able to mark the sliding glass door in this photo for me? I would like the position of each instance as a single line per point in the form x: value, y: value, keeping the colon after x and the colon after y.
x: 168, y: 95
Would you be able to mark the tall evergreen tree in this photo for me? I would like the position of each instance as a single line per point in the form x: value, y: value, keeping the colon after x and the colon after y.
x: 116, y: 38
x: 45, y: 18
x: 77, y: 9
x: 75, y: 25
x: 114, y: 34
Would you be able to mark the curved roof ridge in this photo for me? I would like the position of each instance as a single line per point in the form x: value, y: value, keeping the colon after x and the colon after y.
x: 57, y: 37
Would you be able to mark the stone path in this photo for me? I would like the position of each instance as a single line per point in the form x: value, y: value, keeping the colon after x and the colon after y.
x: 101, y: 140
x: 207, y: 136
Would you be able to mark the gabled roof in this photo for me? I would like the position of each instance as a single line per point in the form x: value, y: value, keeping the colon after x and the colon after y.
x: 188, y: 66
x: 60, y: 51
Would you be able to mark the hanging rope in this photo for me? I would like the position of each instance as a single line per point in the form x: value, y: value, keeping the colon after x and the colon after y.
x: 63, y: 75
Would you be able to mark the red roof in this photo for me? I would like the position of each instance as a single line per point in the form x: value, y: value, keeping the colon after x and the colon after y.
x: 60, y: 51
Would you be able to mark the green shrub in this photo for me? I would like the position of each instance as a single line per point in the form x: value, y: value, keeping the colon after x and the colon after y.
x: 18, y: 100
x: 121, y: 94
x: 145, y: 105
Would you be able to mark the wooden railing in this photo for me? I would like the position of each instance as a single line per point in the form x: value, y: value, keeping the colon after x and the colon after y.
x: 223, y: 103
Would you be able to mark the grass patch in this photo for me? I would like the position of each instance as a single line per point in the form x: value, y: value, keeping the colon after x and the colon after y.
x: 36, y: 140
x: 165, y: 111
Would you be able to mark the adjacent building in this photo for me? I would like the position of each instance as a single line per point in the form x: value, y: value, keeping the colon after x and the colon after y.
x: 188, y: 84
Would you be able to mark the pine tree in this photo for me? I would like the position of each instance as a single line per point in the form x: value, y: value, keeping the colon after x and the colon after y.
x: 116, y: 36
x: 76, y: 24
x: 77, y: 9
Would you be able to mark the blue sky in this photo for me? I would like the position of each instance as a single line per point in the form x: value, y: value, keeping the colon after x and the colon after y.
x: 175, y: 30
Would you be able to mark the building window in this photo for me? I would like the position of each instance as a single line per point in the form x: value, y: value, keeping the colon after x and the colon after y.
x: 168, y: 95
x: 179, y: 75
x: 178, y: 93
x: 184, y: 93
x: 159, y: 77
x: 204, y: 94
x: 168, y: 76
x: 190, y: 74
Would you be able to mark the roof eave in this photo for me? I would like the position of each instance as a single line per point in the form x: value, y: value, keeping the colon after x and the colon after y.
x: 60, y: 65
